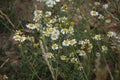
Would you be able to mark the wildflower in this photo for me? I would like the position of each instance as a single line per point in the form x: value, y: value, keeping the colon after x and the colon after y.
x: 111, y: 34
x: 19, y: 38
x: 105, y: 6
x: 89, y: 46
x: 97, y: 37
x: 50, y: 3
x: 22, y: 38
x: 54, y: 46
x: 38, y: 13
x: 81, y: 42
x: 18, y: 32
x: 36, y: 18
x: 94, y: 13
x: 100, y: 16
x: 51, y: 30
x: 35, y: 45
x: 16, y: 37
x: 108, y: 20
x: 46, y: 33
x: 54, y: 37
x: 66, y: 43
x: 71, y: 30
x: 63, y: 57
x: 73, y: 41
x: 50, y: 55
x: 97, y: 3
x: 64, y: 8
x: 87, y: 41
x: 56, y: 32
x: 57, y: 0
x: 63, y: 19
x: 82, y: 47
x: 64, y: 31
x: 81, y: 53
x: 48, y: 14
x: 5, y: 77
x: 37, y: 26
x: 104, y: 48
x: 31, y: 26
x: 74, y: 60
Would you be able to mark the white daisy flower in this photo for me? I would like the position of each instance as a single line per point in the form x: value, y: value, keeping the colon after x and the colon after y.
x: 66, y: 43
x: 81, y: 42
x: 31, y: 26
x: 74, y: 60
x: 104, y: 48
x: 50, y: 3
x: 64, y: 31
x: 73, y: 41
x: 81, y: 52
x: 100, y: 16
x: 16, y: 37
x: 38, y: 13
x: 111, y: 34
x: 94, y: 13
x: 97, y: 37
x: 54, y: 46
x: 105, y: 6
x: 54, y: 37
x: 63, y: 57
x: 48, y: 13
x: 50, y: 55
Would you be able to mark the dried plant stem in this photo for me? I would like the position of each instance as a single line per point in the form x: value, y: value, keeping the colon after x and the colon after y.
x: 7, y: 18
x: 113, y: 16
x: 46, y: 59
x: 107, y: 66
x: 4, y: 63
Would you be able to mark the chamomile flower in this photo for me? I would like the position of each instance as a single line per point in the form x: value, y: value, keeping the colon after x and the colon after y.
x: 50, y: 55
x: 97, y: 3
x: 54, y: 37
x: 94, y: 13
x: 56, y: 32
x: 50, y: 3
x: 37, y: 26
x: 74, y: 60
x: 104, y: 48
x: 71, y: 30
x: 100, y: 16
x: 73, y: 41
x: 36, y: 18
x: 86, y: 41
x: 108, y: 20
x: 105, y: 6
x: 38, y: 13
x: 81, y: 42
x: 66, y: 43
x: 97, y: 37
x: 111, y: 34
x: 57, y: 0
x: 64, y: 31
x: 22, y: 38
x: 31, y: 26
x: 5, y: 77
x: 16, y: 37
x: 81, y: 52
x: 63, y: 57
x: 54, y: 46
x: 46, y: 33
x: 51, y: 30
x: 19, y: 38
x: 48, y: 13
